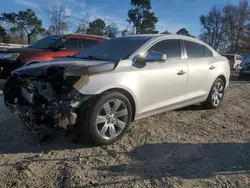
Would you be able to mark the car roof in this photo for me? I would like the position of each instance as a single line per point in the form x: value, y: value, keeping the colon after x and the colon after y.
x: 161, y: 35
x: 169, y: 36
x: 85, y: 35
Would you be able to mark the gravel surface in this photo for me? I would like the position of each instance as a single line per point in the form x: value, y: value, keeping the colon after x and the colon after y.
x: 191, y: 147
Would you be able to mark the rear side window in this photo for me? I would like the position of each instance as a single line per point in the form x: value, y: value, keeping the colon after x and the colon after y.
x: 170, y: 47
x: 85, y: 43
x: 208, y: 53
x: 71, y: 44
x: 194, y: 50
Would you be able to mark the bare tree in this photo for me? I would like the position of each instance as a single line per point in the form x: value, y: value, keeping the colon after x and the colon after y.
x: 82, y: 27
x: 237, y: 18
x: 213, y: 27
x: 226, y: 28
x: 59, y: 19
x: 230, y: 12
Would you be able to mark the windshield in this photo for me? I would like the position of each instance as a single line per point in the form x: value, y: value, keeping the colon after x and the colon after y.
x: 113, y: 49
x: 45, y: 42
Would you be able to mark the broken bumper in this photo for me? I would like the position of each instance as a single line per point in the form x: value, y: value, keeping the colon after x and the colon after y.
x: 37, y: 103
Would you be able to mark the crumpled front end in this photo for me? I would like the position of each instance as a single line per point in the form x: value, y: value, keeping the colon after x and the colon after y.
x: 48, y: 94
x: 40, y: 102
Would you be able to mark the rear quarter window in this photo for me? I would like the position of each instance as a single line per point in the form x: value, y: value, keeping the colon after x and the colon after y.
x: 208, y: 53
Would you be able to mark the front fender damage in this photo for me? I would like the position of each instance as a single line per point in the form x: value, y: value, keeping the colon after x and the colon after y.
x: 48, y: 93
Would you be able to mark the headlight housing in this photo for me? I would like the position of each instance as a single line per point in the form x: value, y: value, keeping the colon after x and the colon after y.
x: 9, y: 56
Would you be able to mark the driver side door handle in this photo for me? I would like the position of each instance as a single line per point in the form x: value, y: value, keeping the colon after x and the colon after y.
x: 181, y: 72
x: 212, y: 67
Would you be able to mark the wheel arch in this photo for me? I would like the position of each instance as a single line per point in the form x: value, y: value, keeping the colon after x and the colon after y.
x: 223, y: 78
x: 128, y: 95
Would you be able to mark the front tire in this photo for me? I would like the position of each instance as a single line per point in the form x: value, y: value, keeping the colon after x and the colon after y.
x: 216, y: 94
x: 107, y: 119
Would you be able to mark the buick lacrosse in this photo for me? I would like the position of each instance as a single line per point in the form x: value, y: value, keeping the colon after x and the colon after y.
x: 102, y: 89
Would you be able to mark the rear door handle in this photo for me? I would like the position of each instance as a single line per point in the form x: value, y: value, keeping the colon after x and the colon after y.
x: 181, y: 72
x: 212, y: 67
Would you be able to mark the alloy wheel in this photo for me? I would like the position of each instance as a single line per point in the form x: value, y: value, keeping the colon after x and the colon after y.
x: 218, y: 92
x: 112, y: 119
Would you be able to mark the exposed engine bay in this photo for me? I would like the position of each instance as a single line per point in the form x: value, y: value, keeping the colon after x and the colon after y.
x: 46, y: 93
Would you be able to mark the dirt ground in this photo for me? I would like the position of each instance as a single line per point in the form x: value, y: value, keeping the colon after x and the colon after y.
x: 191, y: 147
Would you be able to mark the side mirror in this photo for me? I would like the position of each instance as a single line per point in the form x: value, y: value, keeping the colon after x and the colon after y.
x: 155, y: 56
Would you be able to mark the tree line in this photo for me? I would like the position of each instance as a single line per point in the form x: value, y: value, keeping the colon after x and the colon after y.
x: 225, y: 27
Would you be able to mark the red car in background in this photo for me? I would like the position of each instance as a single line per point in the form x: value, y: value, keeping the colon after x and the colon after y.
x: 48, y: 48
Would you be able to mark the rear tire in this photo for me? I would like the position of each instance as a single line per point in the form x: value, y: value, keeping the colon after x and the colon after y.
x: 106, y: 120
x: 216, y: 94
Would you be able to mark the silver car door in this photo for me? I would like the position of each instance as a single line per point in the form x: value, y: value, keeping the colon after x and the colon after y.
x: 201, y: 70
x: 162, y: 84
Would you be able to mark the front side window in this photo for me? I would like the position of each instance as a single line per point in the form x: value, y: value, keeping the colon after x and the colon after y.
x: 170, y: 47
x: 113, y: 49
x: 194, y: 50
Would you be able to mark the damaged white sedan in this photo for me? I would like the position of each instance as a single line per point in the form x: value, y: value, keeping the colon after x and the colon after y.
x: 103, y: 88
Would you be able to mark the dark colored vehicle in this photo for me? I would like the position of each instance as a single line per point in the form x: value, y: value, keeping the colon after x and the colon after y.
x: 245, y: 71
x: 48, y: 48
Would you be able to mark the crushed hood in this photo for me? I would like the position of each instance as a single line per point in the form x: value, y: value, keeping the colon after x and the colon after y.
x: 69, y: 66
